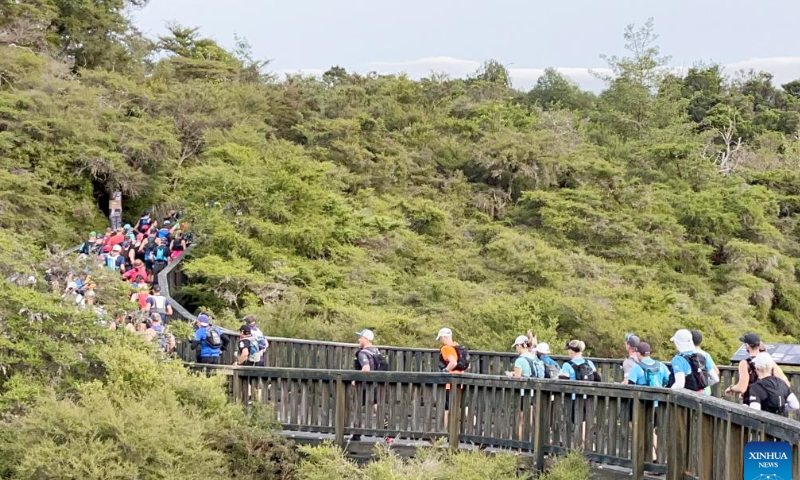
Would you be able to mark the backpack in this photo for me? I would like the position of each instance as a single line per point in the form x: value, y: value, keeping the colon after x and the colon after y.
x: 213, y: 338
x: 160, y: 254
x: 777, y: 393
x: 163, y: 339
x: 696, y: 380
x: 652, y: 376
x: 537, y: 366
x: 259, y: 338
x: 255, y: 353
x: 378, y: 361
x: 551, y: 370
x: 159, y: 304
x: 585, y: 373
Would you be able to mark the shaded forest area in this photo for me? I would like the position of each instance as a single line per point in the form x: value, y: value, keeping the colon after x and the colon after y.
x: 330, y: 204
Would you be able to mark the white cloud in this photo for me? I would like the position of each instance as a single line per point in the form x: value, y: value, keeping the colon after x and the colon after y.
x: 784, y: 69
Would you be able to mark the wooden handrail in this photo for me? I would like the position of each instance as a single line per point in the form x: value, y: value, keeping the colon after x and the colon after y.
x: 684, y: 435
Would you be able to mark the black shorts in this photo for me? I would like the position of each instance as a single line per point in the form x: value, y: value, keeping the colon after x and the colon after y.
x: 209, y: 360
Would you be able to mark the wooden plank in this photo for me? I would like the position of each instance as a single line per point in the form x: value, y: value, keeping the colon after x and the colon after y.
x: 539, y: 418
x: 638, y: 442
x: 340, y: 412
x: 455, y: 415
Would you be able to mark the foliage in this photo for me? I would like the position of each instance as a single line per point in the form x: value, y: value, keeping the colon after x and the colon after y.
x: 327, y: 461
x: 350, y: 201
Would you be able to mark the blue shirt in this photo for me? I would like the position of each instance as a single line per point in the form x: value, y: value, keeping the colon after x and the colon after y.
x: 681, y: 365
x: 637, y: 374
x: 567, y: 369
x: 206, y: 350
x: 524, y: 364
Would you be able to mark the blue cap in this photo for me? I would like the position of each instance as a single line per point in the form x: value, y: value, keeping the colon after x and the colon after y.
x: 203, y: 319
x: 127, y: 226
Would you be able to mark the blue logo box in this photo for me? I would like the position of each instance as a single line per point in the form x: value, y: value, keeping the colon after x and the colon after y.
x: 767, y: 461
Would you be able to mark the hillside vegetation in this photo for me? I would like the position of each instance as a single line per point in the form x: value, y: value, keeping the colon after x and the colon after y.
x: 328, y: 204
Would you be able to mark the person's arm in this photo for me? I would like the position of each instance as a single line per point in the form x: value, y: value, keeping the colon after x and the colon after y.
x: 744, y: 380
x: 168, y: 307
x: 244, y: 353
x: 452, y: 360
x: 713, y: 371
x: 566, y: 371
x: 225, y: 341
x: 778, y: 372
x: 363, y: 360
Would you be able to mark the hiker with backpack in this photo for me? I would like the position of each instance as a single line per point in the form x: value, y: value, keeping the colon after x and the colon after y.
x: 368, y: 357
x: 647, y: 371
x: 158, y: 303
x: 577, y: 367
x: 249, y: 352
x: 712, y: 371
x: 209, y: 339
x: 689, y: 368
x: 453, y: 358
x: 258, y: 337
x: 551, y: 368
x: 631, y: 342
x: 527, y: 365
x: 769, y: 393
x: 747, y: 369
x: 158, y: 332
x: 159, y: 257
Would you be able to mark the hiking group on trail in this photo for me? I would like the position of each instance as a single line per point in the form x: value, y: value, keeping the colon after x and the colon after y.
x: 141, y: 251
x: 138, y: 253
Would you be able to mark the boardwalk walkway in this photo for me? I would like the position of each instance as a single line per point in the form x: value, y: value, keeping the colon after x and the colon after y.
x: 675, y: 434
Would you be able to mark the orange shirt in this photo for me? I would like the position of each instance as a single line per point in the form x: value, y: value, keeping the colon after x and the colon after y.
x: 449, y: 354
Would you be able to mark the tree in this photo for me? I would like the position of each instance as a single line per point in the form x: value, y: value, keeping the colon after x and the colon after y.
x: 494, y: 72
x: 554, y: 90
x: 633, y: 82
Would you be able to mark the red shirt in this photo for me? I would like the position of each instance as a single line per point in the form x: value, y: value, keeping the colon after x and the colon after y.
x: 115, y: 239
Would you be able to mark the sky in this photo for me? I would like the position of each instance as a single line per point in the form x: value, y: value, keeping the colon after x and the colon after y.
x: 418, y: 37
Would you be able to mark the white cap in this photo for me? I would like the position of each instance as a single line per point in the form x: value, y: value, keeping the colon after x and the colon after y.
x: 683, y: 340
x: 445, y: 332
x: 117, y: 248
x: 543, y: 348
x: 521, y: 340
x: 366, y: 334
x: 763, y: 360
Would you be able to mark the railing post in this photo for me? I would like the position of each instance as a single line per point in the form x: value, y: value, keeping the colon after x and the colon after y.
x: 734, y: 449
x: 638, y: 440
x: 540, y: 414
x: 677, y: 437
x: 705, y: 442
x: 237, y: 386
x: 339, y: 411
x: 455, y: 414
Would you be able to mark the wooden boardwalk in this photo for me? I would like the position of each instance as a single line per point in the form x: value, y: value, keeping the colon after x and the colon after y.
x: 649, y: 431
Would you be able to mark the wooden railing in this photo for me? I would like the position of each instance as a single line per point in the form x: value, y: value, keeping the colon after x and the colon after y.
x: 680, y: 434
x: 313, y: 354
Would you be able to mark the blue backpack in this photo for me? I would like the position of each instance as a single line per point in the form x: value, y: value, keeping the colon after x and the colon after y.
x: 160, y: 254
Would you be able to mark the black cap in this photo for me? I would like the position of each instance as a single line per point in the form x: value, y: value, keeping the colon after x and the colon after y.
x: 245, y: 329
x: 156, y: 288
x: 644, y: 348
x: 697, y: 338
x: 751, y: 339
